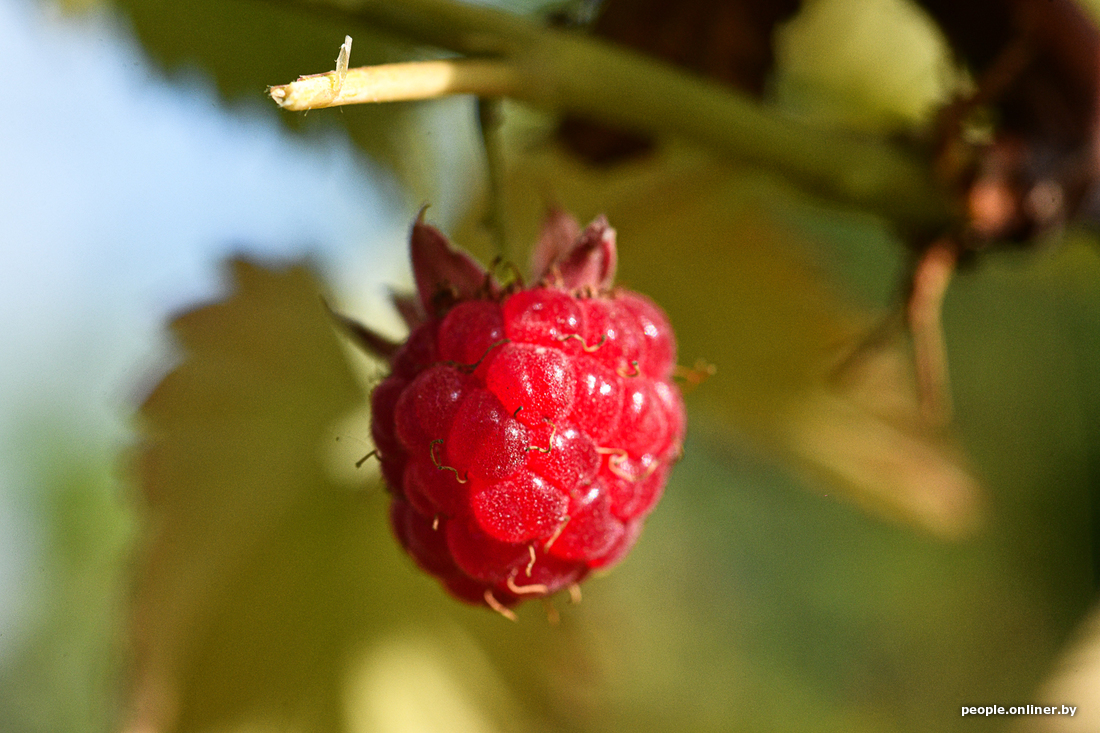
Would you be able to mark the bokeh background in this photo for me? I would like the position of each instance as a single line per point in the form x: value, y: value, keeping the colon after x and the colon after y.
x: 821, y: 561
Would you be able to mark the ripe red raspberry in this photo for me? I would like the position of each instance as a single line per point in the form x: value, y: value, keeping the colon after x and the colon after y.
x: 524, y: 433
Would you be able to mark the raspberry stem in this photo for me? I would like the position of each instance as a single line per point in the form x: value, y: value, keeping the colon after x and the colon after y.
x: 556, y: 69
x: 504, y: 265
x: 490, y: 118
x: 396, y: 83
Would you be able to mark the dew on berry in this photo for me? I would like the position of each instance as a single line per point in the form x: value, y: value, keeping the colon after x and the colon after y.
x: 571, y: 461
x: 658, y: 350
x: 485, y: 441
x: 598, y: 398
x: 519, y: 508
x: 432, y: 489
x: 480, y: 555
x: 614, y: 328
x: 425, y: 409
x: 589, y: 534
x: 643, y: 425
x: 544, y: 316
x: 537, y: 378
x: 469, y: 330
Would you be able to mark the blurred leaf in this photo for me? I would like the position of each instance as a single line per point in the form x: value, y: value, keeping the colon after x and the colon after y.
x: 847, y: 63
x: 750, y: 604
x: 873, y: 65
x: 1075, y: 683
x: 1037, y: 79
x: 730, y: 41
x: 712, y: 244
x: 256, y: 567
x: 248, y: 45
x: 64, y: 675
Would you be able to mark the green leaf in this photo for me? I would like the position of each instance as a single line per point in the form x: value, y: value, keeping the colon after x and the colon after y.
x: 718, y: 247
x: 256, y: 566
x: 62, y: 668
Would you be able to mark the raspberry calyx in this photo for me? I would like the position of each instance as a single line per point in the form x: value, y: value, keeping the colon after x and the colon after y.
x: 524, y: 433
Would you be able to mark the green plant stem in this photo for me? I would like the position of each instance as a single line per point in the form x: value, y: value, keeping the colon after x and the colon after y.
x: 568, y: 71
x: 489, y: 114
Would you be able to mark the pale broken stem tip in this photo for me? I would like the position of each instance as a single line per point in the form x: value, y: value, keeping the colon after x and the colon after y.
x: 343, y: 58
x: 341, y: 74
x: 395, y: 82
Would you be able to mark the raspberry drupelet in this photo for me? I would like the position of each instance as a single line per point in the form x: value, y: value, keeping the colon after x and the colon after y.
x: 524, y: 433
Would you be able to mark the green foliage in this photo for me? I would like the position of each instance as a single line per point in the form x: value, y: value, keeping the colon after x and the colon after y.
x: 233, y: 607
x: 894, y: 75
x: 66, y: 672
x: 269, y: 595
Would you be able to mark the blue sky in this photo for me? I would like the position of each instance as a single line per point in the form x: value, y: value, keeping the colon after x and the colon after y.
x: 121, y: 190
